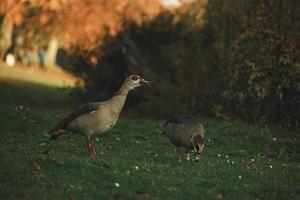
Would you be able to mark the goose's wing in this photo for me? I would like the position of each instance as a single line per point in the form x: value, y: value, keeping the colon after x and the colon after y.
x: 83, y: 109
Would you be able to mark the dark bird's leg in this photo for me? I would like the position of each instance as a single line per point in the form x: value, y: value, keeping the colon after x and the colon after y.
x: 188, y: 155
x: 91, y: 147
x: 178, y: 153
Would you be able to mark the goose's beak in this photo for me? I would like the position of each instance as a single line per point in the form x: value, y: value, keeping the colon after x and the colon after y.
x: 144, y: 83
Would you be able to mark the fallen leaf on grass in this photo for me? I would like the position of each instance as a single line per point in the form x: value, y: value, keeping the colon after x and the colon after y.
x: 136, y: 141
x: 58, y: 162
x: 219, y: 196
x: 42, y: 144
x: 45, y: 133
x: 71, y: 197
x: 36, y: 165
x: 35, y: 121
x: 159, y: 131
x: 39, y: 175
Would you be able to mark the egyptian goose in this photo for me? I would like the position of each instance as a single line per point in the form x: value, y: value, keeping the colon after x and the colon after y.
x: 185, y: 131
x: 96, y: 118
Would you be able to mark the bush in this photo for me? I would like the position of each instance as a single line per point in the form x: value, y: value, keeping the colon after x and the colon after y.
x: 263, y: 71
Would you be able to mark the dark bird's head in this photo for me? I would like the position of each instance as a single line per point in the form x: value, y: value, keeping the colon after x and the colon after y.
x: 198, y: 143
x: 134, y: 81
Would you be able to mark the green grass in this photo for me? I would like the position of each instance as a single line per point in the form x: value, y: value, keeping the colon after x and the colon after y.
x: 240, y: 161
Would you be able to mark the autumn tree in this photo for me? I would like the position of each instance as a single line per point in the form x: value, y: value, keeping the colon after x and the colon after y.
x: 75, y: 24
x: 88, y: 23
x: 10, y: 15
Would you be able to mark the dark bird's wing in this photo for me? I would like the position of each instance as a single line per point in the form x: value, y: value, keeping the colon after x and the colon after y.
x: 83, y: 109
x: 182, y: 119
x: 171, y: 123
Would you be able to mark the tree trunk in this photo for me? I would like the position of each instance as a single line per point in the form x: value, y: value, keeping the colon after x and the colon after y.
x: 6, y: 37
x: 51, y: 52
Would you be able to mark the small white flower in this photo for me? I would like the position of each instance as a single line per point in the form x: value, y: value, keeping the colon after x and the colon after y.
x: 274, y: 139
x: 252, y: 160
x: 226, y: 156
x: 97, y: 139
x: 232, y: 162
x: 118, y: 139
x: 117, y: 184
x: 219, y: 155
x: 240, y: 177
x: 188, y: 157
x: 136, y: 167
x: 228, y: 161
x: 271, y: 166
x: 156, y: 155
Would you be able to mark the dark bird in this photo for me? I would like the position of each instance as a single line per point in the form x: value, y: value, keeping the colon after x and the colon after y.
x: 96, y: 118
x: 185, y: 131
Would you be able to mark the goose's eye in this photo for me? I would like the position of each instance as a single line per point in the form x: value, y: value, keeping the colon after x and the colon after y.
x: 135, y: 78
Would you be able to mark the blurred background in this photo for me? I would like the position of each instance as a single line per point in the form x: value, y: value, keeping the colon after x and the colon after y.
x: 225, y: 59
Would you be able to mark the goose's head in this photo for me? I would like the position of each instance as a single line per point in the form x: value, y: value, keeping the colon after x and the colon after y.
x: 134, y: 81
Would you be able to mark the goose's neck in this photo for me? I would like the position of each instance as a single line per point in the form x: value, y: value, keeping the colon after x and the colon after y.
x: 119, y: 99
x: 123, y: 91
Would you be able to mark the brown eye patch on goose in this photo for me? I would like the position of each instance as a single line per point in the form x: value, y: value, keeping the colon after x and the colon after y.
x: 135, y: 77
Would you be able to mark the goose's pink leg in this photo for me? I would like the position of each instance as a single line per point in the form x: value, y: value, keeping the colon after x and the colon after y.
x: 91, y: 148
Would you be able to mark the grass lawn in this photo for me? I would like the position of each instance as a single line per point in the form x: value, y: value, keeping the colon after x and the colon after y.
x: 240, y: 161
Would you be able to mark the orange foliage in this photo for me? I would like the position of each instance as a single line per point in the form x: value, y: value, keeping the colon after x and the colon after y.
x: 88, y: 22
x: 79, y: 23
x: 12, y: 10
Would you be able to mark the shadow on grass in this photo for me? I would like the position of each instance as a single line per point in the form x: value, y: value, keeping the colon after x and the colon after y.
x: 18, y: 93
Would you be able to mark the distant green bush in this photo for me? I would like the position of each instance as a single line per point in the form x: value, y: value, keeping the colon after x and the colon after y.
x: 262, y: 71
